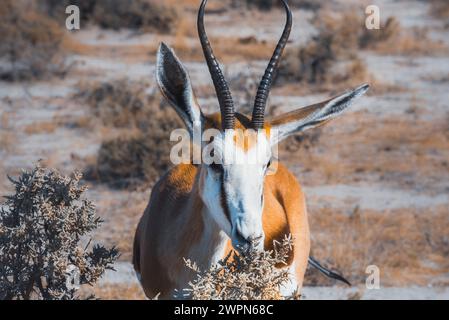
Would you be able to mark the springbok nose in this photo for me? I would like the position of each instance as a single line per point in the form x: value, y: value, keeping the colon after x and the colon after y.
x: 244, y: 240
x: 254, y: 240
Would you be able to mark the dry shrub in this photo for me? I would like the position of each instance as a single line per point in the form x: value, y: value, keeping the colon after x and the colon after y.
x: 141, y: 151
x: 346, y: 34
x: 119, y: 103
x: 31, y: 42
x: 117, y: 14
x: 316, y: 61
x: 352, y: 73
x: 301, y: 142
x: 391, y: 38
x: 253, y: 276
x: 317, y: 67
x: 56, y: 8
x: 41, y: 230
x: 439, y: 8
x: 270, y: 4
x: 129, y: 161
x: 370, y: 38
x: 261, y: 4
x: 330, y: 58
x: 400, y: 242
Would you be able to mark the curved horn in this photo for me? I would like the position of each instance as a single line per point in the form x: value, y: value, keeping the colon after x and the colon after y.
x: 220, y: 84
x: 263, y: 91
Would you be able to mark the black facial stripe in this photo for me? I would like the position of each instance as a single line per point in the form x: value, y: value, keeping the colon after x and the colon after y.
x: 224, y: 202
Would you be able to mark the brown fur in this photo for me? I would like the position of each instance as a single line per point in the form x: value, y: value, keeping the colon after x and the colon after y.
x: 173, y: 223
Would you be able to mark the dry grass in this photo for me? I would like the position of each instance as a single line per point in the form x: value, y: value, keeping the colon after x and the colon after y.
x: 424, y: 145
x: 392, y: 38
x: 270, y: 4
x: 226, y: 48
x: 116, y: 292
x: 7, y: 135
x: 330, y: 57
x: 117, y: 104
x: 389, y: 30
x: 439, y: 8
x: 4, y: 186
x: 408, y: 245
x: 329, y: 61
x: 57, y: 122
x: 31, y: 42
x: 231, y: 49
x: 121, y: 211
x: 413, y: 42
x: 41, y: 127
x: 137, y: 128
x: 139, y: 14
x: 146, y: 15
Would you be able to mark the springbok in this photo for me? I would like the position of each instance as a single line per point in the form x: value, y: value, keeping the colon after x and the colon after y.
x: 203, y: 211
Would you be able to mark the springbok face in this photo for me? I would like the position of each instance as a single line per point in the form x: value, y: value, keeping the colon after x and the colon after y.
x: 232, y: 177
x: 232, y: 185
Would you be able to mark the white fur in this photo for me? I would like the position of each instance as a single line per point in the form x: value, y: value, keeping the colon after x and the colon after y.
x: 242, y: 182
x: 292, y: 285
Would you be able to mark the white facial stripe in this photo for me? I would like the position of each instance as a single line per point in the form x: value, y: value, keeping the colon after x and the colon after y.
x: 243, y: 185
x: 239, y: 181
x: 231, y: 153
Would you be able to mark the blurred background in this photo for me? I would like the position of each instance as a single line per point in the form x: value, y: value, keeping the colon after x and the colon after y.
x: 376, y: 180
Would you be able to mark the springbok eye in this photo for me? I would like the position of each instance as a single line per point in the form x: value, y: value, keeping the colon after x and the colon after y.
x: 269, y: 164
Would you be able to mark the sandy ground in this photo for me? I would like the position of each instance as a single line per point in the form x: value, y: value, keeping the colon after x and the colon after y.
x: 125, y: 276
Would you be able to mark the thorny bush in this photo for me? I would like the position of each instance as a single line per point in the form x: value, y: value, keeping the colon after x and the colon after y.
x: 252, y: 276
x: 43, y: 230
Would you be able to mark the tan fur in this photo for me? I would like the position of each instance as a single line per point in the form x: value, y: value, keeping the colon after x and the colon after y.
x: 173, y: 224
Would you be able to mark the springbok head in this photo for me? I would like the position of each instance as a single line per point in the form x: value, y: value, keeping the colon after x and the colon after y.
x: 233, y: 191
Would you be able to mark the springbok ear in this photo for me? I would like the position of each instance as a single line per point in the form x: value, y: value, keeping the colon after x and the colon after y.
x: 314, y: 115
x: 175, y: 85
